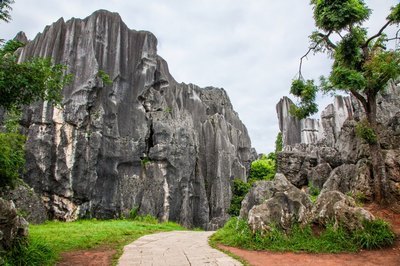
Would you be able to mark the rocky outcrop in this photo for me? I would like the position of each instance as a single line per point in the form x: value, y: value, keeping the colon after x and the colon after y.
x: 28, y: 203
x: 12, y: 226
x: 146, y: 141
x: 288, y: 124
x: 334, y: 206
x: 283, y: 205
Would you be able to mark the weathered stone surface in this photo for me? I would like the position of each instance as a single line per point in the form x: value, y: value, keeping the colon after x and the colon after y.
x: 351, y: 179
x: 288, y: 124
x: 286, y: 206
x: 259, y: 192
x: 339, y: 208
x: 146, y: 141
x: 296, y: 166
x: 27, y: 202
x: 12, y: 225
x: 392, y: 162
x: 319, y: 174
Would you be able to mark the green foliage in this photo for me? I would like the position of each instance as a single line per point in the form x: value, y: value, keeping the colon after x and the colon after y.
x: 35, y: 252
x: 239, y: 191
x: 336, y: 15
x: 278, y: 143
x: 361, y: 63
x: 145, y: 161
x: 86, y: 234
x: 12, y: 157
x: 33, y: 80
x: 5, y: 8
x: 395, y: 14
x: 365, y: 132
x: 148, y: 219
x: 237, y: 233
x: 348, y: 52
x: 306, y: 91
x: 376, y: 234
x: 313, y: 191
x: 133, y: 213
x: 262, y: 169
x: 104, y: 77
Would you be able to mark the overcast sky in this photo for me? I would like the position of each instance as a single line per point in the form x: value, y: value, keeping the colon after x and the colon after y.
x: 250, y: 48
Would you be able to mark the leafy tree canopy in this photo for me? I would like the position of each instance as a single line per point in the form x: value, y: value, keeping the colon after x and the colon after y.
x: 362, y: 65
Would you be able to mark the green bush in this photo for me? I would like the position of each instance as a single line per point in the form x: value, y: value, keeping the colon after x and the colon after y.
x: 237, y: 233
x: 239, y: 191
x: 262, y: 169
x: 364, y: 131
x: 12, y: 157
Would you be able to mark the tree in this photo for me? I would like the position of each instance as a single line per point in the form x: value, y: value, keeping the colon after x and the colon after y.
x: 5, y: 8
x: 362, y: 66
x: 21, y: 84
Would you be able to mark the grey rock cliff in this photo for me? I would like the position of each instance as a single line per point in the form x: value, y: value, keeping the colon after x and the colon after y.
x: 145, y: 141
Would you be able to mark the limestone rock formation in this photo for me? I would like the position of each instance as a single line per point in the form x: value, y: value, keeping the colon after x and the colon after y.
x: 334, y: 206
x: 283, y: 205
x: 27, y: 202
x: 146, y: 141
x: 12, y: 226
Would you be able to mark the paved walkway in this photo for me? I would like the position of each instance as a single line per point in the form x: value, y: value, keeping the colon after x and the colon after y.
x: 176, y: 248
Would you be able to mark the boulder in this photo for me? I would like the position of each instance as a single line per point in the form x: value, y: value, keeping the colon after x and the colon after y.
x: 287, y: 205
x: 351, y: 179
x: 29, y: 204
x: 334, y: 206
x: 258, y: 193
x: 13, y: 227
x: 319, y: 175
x: 296, y: 166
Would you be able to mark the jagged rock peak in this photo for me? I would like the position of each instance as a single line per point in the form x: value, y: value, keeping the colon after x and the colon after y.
x: 147, y: 142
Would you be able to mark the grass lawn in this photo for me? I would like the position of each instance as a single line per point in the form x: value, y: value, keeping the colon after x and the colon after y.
x: 49, y: 240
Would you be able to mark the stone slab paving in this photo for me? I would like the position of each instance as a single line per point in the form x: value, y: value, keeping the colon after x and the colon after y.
x: 176, y: 248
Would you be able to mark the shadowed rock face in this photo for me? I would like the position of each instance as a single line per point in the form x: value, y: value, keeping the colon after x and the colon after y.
x: 145, y: 141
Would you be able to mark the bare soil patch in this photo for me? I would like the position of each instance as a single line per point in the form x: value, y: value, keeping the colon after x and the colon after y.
x: 93, y: 257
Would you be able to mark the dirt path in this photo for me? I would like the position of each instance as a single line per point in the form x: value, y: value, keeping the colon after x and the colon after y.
x: 384, y: 257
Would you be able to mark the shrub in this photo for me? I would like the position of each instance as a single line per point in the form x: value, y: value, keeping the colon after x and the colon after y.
x: 364, y: 131
x: 262, y: 169
x: 148, y: 218
x: 12, y: 157
x: 239, y: 191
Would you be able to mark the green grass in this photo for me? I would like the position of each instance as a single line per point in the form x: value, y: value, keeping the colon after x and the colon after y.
x: 57, y: 237
x: 238, y: 234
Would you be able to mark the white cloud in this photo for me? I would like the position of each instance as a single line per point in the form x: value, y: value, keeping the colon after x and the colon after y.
x: 250, y: 48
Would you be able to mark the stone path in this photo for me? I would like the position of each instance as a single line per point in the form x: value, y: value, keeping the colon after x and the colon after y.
x: 175, y: 249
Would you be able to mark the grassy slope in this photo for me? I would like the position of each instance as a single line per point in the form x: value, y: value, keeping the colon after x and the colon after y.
x: 86, y: 234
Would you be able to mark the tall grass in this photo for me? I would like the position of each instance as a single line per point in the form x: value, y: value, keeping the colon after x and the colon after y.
x: 238, y: 234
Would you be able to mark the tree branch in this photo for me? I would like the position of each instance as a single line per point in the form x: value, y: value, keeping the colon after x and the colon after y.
x: 325, y: 38
x: 359, y: 97
x: 378, y: 34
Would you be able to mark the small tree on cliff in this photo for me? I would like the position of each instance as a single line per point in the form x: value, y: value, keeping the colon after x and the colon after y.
x: 362, y: 67
x: 20, y: 84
